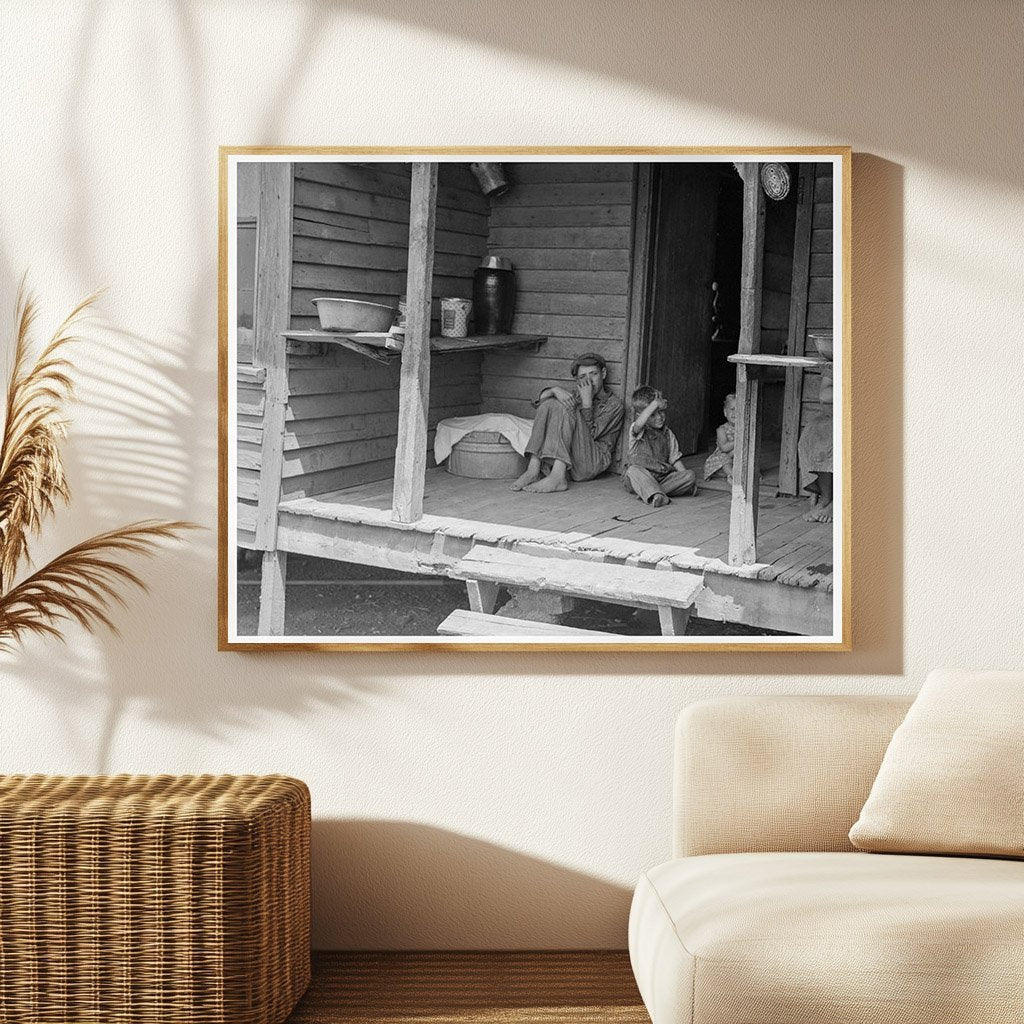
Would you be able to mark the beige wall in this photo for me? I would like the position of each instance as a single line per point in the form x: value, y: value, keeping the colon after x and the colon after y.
x: 485, y: 800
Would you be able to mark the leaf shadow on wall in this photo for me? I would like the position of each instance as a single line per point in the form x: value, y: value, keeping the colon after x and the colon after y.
x: 145, y: 442
x: 880, y: 75
x: 405, y: 885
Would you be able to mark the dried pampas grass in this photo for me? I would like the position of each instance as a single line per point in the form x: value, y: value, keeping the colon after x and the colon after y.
x: 82, y: 584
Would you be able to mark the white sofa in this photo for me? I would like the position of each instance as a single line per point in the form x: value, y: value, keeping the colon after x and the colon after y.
x: 768, y: 915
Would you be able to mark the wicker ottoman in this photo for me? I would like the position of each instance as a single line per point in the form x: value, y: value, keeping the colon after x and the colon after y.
x: 131, y: 899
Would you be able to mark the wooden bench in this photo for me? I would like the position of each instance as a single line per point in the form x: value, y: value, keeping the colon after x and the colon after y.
x: 671, y: 593
x: 469, y: 623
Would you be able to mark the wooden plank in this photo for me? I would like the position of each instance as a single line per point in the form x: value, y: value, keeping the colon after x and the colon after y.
x: 821, y: 241
x: 566, y: 237
x: 607, y: 260
x: 570, y: 282
x: 607, y: 327
x: 311, y: 226
x: 392, y: 180
x: 579, y: 578
x: 310, y: 485
x: 414, y: 389
x: 273, y: 577
x: 770, y: 359
x: 746, y: 477
x: 318, y: 264
x: 483, y: 596
x: 245, y: 516
x: 546, y: 172
x: 572, y: 193
x: 247, y: 485
x: 557, y: 347
x: 469, y: 623
x: 819, y: 315
x: 673, y: 621
x: 273, y: 299
x: 310, y: 407
x: 821, y: 264
x: 561, y: 216
x: 793, y: 396
x: 250, y: 374
x: 538, y: 366
x: 582, y: 304
x: 250, y: 403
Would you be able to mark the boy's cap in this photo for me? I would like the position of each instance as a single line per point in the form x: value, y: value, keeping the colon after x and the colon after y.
x: 587, y: 359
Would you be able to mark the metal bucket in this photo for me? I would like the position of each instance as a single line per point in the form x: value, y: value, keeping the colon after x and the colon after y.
x: 486, y: 455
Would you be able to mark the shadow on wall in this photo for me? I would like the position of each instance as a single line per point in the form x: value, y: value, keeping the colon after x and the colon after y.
x: 402, y: 885
x: 146, y: 444
x: 877, y: 74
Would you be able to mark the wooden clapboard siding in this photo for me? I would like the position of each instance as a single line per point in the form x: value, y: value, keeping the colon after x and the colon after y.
x: 247, y: 204
x: 341, y: 424
x: 819, y: 288
x: 351, y: 234
x: 567, y: 227
x: 351, y: 240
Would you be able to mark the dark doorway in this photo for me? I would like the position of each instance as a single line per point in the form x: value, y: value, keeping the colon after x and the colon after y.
x: 692, y: 322
x: 684, y: 207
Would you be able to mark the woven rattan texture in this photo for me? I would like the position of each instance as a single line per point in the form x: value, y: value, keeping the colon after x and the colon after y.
x: 143, y: 899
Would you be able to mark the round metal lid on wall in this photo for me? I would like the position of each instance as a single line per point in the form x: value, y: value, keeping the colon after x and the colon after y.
x: 775, y: 180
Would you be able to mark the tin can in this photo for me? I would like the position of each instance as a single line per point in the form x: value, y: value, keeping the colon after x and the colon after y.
x: 455, y: 317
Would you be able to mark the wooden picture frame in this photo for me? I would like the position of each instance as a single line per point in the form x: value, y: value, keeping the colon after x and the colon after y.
x: 695, y: 269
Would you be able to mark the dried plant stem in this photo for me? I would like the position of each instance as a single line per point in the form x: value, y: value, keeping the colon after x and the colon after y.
x: 80, y: 584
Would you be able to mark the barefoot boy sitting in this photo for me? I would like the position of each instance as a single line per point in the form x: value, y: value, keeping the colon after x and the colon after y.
x: 654, y: 465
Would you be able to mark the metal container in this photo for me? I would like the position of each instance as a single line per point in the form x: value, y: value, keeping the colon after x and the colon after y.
x: 486, y: 455
x: 455, y: 317
x: 491, y: 179
x: 494, y: 295
x: 353, y: 315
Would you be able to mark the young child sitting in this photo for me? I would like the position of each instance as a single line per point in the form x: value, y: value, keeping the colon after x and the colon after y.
x: 725, y: 437
x: 654, y: 465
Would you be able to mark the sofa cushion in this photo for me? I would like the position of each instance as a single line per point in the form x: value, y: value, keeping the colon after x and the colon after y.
x: 833, y: 938
x: 950, y: 780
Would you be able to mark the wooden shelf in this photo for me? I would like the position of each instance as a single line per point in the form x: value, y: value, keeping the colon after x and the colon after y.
x: 373, y: 345
x: 766, y: 359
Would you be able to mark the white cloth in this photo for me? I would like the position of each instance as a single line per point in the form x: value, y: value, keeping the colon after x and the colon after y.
x: 449, y: 432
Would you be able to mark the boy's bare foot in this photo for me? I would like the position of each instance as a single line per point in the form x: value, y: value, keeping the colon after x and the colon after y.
x: 552, y: 482
x: 821, y: 514
x: 660, y: 500
x: 531, y: 475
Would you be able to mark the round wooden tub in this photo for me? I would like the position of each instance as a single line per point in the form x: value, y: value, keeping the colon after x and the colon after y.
x: 485, y: 455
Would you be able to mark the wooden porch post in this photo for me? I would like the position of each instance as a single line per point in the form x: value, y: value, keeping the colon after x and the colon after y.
x: 747, y: 458
x: 272, y: 317
x: 414, y: 390
x: 789, y: 481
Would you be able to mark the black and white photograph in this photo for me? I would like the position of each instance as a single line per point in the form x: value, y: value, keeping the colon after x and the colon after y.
x: 561, y: 400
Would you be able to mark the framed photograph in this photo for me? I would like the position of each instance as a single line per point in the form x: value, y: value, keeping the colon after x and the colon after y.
x: 557, y: 399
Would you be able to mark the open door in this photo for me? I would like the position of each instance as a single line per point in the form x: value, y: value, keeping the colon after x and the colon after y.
x: 674, y: 344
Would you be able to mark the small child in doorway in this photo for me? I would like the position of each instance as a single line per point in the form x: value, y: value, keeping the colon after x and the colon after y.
x: 725, y: 438
x: 654, y: 465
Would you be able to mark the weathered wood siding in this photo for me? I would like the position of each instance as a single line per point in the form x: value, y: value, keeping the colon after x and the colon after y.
x: 250, y: 399
x: 341, y: 423
x: 568, y: 230
x: 351, y: 234
x: 350, y: 238
x: 247, y: 198
x: 819, y: 289
x: 776, y: 287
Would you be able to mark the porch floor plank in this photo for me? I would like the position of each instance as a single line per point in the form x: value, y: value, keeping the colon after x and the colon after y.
x: 602, y: 513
